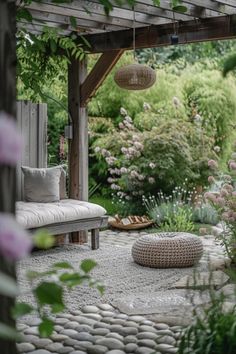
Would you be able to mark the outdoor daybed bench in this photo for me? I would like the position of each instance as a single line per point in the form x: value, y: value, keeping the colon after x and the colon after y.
x: 65, y: 216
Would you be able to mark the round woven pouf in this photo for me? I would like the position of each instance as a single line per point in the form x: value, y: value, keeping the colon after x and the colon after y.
x: 167, y: 250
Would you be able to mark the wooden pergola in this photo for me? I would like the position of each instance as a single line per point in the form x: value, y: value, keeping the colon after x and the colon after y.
x: 110, y: 35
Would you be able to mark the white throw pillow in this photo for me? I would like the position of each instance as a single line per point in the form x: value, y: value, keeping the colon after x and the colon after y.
x: 42, y: 184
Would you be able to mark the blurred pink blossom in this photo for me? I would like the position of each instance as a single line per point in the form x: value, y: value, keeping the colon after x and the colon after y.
x: 211, y: 179
x: 121, y: 125
x: 210, y: 196
x: 220, y: 201
x: 15, y: 243
x: 10, y: 140
x: 212, y: 164
x: 232, y: 165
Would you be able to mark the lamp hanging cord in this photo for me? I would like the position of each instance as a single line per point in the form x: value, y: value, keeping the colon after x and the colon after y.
x: 134, y: 32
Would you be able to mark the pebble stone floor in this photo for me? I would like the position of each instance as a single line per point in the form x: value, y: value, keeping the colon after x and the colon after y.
x: 102, y: 329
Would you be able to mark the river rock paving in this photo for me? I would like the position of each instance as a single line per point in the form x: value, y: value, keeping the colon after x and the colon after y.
x: 104, y: 329
x: 135, y: 334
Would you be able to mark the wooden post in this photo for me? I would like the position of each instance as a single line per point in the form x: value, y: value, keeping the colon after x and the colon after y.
x: 78, y: 146
x: 7, y: 174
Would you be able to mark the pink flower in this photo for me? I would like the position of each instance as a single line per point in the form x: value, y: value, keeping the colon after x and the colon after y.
x: 15, y: 243
x: 10, y: 140
x: 152, y: 165
x: 121, y: 125
x: 220, y: 201
x: 123, y: 170
x: 127, y: 119
x: 211, y: 179
x: 176, y: 102
x: 216, y: 148
x: 146, y: 106
x: 97, y: 149
x: 124, y: 150
x: 212, y: 164
x: 210, y: 196
x: 232, y: 165
x: 123, y: 111
x: 138, y: 145
x: 151, y: 180
x: 228, y: 187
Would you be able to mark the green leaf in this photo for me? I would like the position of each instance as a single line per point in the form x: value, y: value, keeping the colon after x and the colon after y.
x: 21, y: 309
x: 71, y: 279
x: 156, y: 2
x: 8, y: 286
x: 180, y: 8
x: 87, y: 265
x: 42, y: 239
x: 57, y: 308
x: 9, y: 333
x: 62, y: 265
x: 73, y: 22
x: 46, y: 327
x: 48, y: 293
x: 24, y: 14
x: 53, y: 45
x: 101, y: 289
x: 229, y: 64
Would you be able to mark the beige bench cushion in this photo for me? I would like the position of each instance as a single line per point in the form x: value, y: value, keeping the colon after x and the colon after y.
x: 33, y: 215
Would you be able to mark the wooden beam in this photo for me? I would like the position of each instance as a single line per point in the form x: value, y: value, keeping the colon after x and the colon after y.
x: 220, y: 6
x: 222, y: 27
x: 7, y: 173
x: 78, y: 145
x: 98, y: 74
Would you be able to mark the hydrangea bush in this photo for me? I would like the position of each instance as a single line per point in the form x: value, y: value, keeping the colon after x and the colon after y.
x: 145, y: 162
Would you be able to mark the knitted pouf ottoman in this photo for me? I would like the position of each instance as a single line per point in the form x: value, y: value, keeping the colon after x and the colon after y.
x: 167, y: 250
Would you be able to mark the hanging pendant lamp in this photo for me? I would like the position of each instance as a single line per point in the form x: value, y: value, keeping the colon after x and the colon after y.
x: 135, y: 76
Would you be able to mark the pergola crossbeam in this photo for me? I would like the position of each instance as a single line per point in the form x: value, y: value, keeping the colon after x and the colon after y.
x: 222, y: 27
x: 98, y: 74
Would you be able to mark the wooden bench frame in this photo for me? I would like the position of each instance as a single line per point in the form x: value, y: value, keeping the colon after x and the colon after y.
x: 93, y: 224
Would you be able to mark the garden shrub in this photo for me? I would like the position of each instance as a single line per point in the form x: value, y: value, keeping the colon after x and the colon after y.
x: 213, y: 331
x: 146, y: 162
x: 213, y: 98
x: 205, y: 214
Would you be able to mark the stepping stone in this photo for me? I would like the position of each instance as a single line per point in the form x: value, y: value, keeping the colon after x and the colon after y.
x: 204, y: 280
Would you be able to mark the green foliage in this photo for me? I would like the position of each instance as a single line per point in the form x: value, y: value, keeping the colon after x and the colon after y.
x: 8, y: 286
x: 44, y: 240
x: 210, y: 96
x: 205, y: 214
x: 161, y: 208
x: 46, y: 327
x: 214, y: 331
x: 21, y: 309
x: 229, y: 64
x: 179, y: 222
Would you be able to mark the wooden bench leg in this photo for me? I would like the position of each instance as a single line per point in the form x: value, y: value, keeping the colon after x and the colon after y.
x: 95, y: 239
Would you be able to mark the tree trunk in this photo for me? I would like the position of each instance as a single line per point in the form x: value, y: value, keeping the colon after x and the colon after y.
x: 7, y: 174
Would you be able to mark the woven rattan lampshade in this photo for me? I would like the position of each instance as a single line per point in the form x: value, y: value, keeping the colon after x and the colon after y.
x: 135, y: 77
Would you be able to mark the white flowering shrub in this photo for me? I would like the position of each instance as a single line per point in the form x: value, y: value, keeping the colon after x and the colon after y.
x: 145, y: 162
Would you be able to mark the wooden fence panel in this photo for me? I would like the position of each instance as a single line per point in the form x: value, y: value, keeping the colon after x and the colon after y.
x: 32, y: 122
